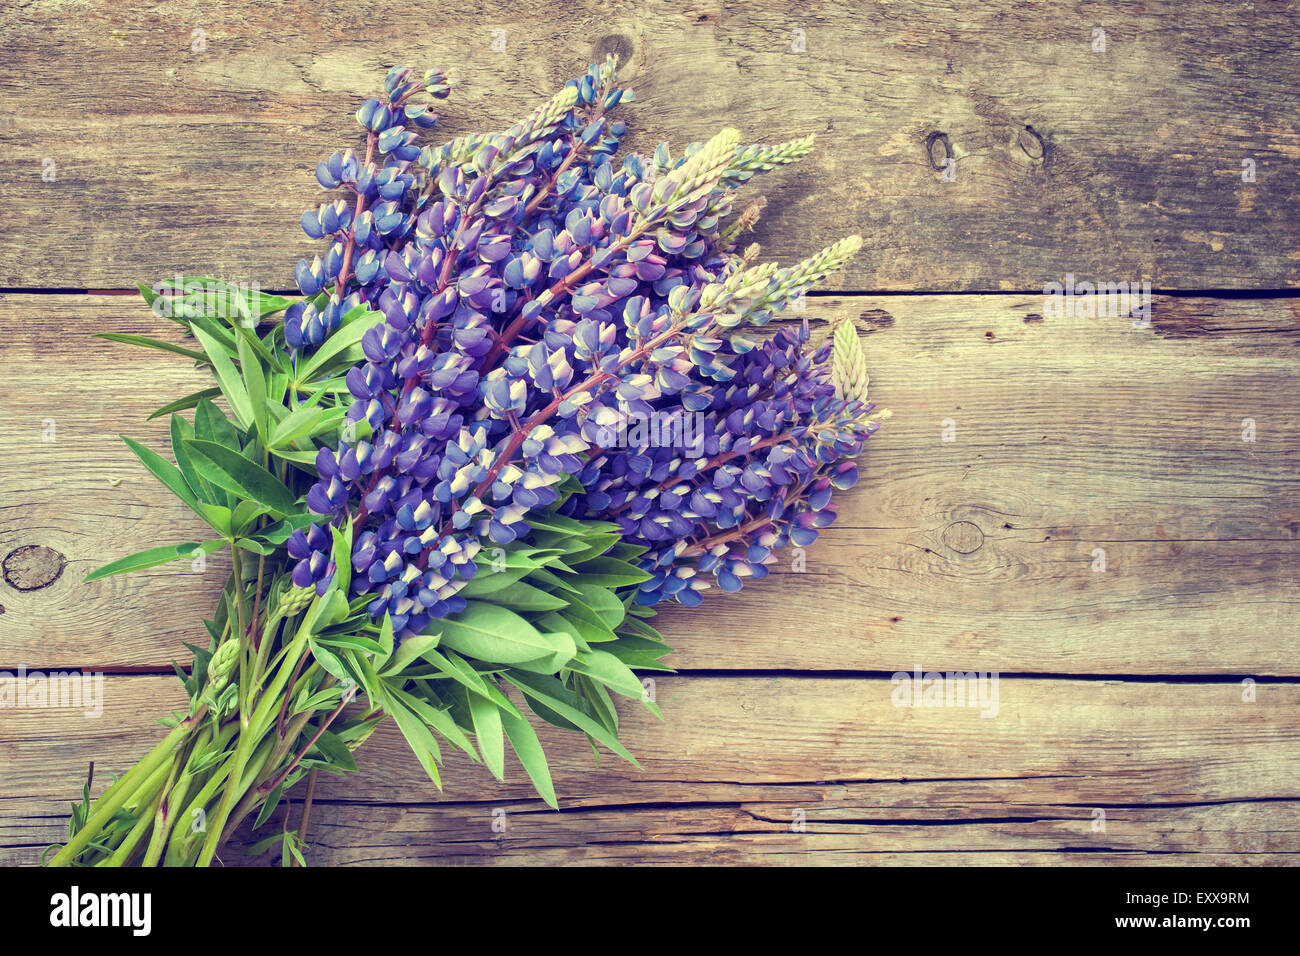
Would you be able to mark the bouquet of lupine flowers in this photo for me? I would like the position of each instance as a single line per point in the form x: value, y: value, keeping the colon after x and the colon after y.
x: 521, y: 401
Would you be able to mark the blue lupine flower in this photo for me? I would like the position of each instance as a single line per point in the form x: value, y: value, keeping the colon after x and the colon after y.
x: 505, y: 281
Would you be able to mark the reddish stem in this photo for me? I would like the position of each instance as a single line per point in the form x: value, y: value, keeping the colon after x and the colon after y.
x: 350, y: 243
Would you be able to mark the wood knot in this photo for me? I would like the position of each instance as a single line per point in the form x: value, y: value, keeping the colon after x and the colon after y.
x: 1031, y: 144
x: 963, y: 537
x: 876, y: 319
x: 938, y: 149
x: 32, y: 567
x: 616, y: 44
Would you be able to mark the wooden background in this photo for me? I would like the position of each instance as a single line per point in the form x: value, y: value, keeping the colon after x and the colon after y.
x: 1128, y: 727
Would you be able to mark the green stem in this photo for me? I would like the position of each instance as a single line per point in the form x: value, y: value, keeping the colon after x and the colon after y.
x: 116, y: 796
x: 151, y: 793
x: 247, y: 741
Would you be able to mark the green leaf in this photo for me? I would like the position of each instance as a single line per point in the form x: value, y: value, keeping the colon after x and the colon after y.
x: 551, y: 621
x: 279, y: 531
x: 171, y: 476
x: 595, y: 545
x: 153, y: 557
x: 246, y: 512
x: 254, y: 382
x: 355, y: 324
x: 590, y: 625
x: 358, y: 642
x: 386, y: 636
x: 455, y: 667
x: 604, y: 602
x: 553, y: 694
x: 211, y: 425
x: 325, y: 610
x: 410, y: 649
x: 232, y: 385
x: 558, y: 523
x: 145, y: 342
x: 565, y: 647
x: 337, y: 756
x: 610, y: 573
x: 254, y: 546
x: 189, y: 401
x: 329, y: 661
x: 609, y: 670
x: 529, y: 750
x: 524, y: 597
x: 543, y: 576
x: 487, y: 728
x: 299, y: 422
x: 436, y: 718
x: 496, y: 634
x: 304, y: 459
x: 342, y: 554
x: 181, y: 430
x: 230, y: 470
x: 264, y: 814
x: 417, y: 735
x: 640, y: 653
x: 598, y: 698
x: 326, y: 699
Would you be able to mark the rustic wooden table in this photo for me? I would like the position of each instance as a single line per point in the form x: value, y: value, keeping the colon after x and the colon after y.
x: 1106, y: 515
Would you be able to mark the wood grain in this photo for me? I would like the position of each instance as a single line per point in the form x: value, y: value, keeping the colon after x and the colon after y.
x: 1110, y: 155
x: 1176, y: 772
x: 1071, y: 435
x: 1106, y: 516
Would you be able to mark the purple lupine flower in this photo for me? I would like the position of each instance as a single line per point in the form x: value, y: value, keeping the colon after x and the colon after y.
x: 538, y: 299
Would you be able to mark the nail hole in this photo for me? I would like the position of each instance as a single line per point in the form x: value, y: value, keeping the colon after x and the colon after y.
x: 938, y: 149
x: 1031, y: 144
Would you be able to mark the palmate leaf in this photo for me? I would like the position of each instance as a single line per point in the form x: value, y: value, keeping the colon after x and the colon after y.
x: 639, y: 652
x: 456, y: 668
x: 554, y: 695
x: 181, y: 430
x: 417, y: 734
x: 436, y: 718
x: 228, y: 469
x: 411, y: 649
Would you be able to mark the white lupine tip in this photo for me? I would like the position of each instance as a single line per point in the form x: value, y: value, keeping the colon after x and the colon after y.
x: 848, y: 364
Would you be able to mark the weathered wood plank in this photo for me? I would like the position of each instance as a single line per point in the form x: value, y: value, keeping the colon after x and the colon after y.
x: 1071, y: 435
x: 1104, y: 139
x: 1185, y: 772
